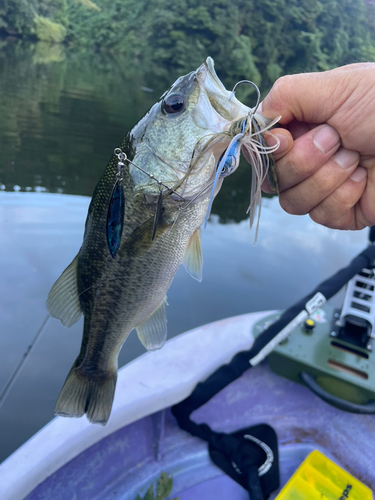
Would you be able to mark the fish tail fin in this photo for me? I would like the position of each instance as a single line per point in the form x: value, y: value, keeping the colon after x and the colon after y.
x: 83, y: 394
x: 101, y: 399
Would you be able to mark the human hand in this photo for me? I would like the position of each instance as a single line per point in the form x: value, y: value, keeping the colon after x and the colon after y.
x: 326, y: 160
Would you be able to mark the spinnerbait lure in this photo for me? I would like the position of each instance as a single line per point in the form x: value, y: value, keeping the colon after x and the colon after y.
x: 116, y: 209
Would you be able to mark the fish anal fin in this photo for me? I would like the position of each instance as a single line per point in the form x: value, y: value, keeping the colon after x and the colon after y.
x: 82, y: 393
x: 153, y: 331
x: 193, y: 261
x: 63, y: 299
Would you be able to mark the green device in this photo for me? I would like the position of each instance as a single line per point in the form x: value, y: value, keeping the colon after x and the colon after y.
x: 332, y: 351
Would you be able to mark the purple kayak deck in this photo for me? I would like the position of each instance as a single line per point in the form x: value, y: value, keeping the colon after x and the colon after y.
x: 128, y: 461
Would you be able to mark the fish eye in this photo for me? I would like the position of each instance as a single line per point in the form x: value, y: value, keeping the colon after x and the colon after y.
x: 174, y: 103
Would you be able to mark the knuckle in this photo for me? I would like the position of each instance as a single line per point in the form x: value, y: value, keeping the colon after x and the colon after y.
x: 319, y: 217
x: 363, y: 218
x: 280, y: 88
x: 282, y: 84
x: 292, y: 207
x: 325, y: 218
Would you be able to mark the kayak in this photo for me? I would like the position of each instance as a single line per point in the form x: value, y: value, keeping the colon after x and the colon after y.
x: 71, y: 458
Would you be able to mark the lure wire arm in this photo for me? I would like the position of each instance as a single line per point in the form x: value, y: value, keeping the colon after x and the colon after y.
x: 250, y: 130
x: 123, y: 157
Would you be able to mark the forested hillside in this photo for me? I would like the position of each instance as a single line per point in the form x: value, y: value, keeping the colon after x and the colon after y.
x: 247, y: 38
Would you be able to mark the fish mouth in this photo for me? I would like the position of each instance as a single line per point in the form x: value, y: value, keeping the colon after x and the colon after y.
x: 211, y: 79
x: 222, y: 100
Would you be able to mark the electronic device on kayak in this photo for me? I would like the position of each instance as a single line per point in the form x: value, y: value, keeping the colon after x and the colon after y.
x: 332, y: 352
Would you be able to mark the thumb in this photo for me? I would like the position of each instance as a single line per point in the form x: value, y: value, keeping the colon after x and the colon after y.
x: 308, y: 97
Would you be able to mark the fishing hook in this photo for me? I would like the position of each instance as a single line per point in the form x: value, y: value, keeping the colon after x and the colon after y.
x: 248, y: 82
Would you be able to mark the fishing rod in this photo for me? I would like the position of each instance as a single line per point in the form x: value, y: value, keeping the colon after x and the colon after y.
x: 12, y: 379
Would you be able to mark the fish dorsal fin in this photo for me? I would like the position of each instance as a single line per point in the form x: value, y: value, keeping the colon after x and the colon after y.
x: 193, y: 261
x: 153, y: 331
x: 63, y: 301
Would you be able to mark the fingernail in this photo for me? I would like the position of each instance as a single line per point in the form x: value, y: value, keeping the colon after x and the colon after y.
x: 359, y: 174
x: 271, y: 141
x: 326, y: 138
x: 260, y: 108
x: 346, y: 158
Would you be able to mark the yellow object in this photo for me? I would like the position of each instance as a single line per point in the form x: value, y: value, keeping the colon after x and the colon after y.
x: 318, y: 478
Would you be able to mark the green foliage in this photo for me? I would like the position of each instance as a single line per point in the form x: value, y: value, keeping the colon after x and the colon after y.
x: 290, y: 36
x: 17, y: 17
x: 247, y: 38
x: 89, y: 4
x: 113, y: 28
x: 163, y: 489
x: 48, y: 31
x: 185, y: 32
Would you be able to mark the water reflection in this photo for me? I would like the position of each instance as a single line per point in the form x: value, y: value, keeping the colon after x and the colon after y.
x: 42, y: 233
x: 62, y: 114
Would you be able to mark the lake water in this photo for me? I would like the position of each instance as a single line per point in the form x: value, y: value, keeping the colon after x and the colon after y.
x: 61, y: 115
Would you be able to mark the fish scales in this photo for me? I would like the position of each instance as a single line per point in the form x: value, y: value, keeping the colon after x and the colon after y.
x: 179, y: 142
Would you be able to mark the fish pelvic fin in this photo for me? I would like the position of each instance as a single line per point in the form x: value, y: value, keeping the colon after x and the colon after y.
x: 153, y: 331
x: 63, y: 299
x: 193, y: 261
x: 82, y: 393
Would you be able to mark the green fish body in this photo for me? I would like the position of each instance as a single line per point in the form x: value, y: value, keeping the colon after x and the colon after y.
x: 179, y: 142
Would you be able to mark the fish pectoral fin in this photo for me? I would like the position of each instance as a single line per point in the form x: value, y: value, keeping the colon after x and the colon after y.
x: 63, y: 300
x: 153, y: 331
x: 193, y: 260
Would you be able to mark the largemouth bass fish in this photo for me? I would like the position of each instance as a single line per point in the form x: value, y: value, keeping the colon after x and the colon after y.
x: 143, y: 222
